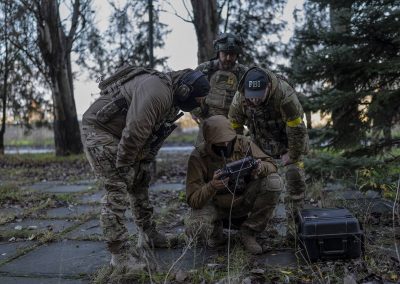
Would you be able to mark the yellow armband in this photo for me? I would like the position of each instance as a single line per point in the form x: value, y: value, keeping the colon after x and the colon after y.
x: 294, y: 122
x: 236, y: 125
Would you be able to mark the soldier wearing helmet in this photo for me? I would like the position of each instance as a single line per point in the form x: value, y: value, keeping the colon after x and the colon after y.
x: 224, y: 73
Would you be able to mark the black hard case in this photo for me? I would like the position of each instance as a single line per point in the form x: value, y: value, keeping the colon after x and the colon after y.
x: 329, y: 233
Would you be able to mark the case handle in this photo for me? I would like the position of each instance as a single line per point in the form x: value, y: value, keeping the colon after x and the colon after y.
x: 332, y: 252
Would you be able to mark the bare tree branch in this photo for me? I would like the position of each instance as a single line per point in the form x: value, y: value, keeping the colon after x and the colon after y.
x: 74, y: 24
x: 227, y: 16
x: 34, y: 60
x: 177, y: 15
x: 187, y: 10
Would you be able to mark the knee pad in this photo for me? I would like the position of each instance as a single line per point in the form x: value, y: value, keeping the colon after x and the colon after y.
x: 293, y: 173
x: 274, y: 182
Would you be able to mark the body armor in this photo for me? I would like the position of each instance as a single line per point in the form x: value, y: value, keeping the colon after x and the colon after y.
x: 267, y: 128
x: 223, y: 87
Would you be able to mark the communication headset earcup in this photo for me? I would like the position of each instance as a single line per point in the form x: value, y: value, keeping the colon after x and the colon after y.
x: 186, y: 84
x: 183, y: 92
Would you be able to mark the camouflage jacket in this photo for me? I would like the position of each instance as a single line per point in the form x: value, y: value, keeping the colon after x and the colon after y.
x: 203, y: 163
x: 223, y: 87
x: 134, y: 112
x: 276, y: 125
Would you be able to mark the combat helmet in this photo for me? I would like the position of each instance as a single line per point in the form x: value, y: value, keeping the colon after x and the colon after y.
x: 228, y: 42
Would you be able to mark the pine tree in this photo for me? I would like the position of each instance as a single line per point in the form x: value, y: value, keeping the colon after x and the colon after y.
x: 347, y: 54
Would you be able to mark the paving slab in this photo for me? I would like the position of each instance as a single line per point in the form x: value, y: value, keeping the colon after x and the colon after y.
x: 72, y: 211
x: 68, y: 188
x: 5, y: 212
x: 39, y: 186
x: 167, y: 186
x: 93, y: 229
x: 30, y: 280
x: 59, y: 187
x: 61, y: 259
x: 191, y: 259
x: 8, y: 249
x: 38, y: 225
x: 279, y: 258
x: 92, y: 197
x: 280, y: 211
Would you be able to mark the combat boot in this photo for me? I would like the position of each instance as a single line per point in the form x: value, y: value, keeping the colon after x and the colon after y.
x: 249, y: 241
x: 217, y: 236
x: 128, y: 262
x: 157, y: 240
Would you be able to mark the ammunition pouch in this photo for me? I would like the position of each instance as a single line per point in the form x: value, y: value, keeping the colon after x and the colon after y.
x: 117, y: 106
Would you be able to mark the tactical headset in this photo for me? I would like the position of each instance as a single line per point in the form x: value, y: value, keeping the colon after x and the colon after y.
x: 186, y: 84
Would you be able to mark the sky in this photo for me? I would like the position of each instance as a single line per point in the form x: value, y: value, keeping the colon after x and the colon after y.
x: 180, y: 45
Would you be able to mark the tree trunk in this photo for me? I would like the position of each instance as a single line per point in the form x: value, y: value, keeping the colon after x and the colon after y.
x: 5, y: 80
x: 151, y: 34
x: 205, y: 20
x: 56, y: 47
x: 66, y: 127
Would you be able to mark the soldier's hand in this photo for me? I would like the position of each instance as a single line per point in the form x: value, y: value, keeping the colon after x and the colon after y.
x: 218, y: 183
x: 286, y: 159
x: 257, y: 170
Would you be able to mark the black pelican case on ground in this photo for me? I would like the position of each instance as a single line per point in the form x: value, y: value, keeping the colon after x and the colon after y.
x: 329, y: 233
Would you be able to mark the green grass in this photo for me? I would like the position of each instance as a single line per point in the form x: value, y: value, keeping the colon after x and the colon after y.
x: 29, y: 142
x: 10, y: 191
x: 181, y: 138
x: 42, y: 158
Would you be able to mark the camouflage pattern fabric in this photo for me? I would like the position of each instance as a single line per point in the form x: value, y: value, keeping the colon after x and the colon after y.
x: 258, y: 203
x: 277, y: 127
x: 101, y: 151
x: 295, y: 185
x: 223, y: 87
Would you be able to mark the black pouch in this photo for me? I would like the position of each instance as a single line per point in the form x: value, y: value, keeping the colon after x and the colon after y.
x: 110, y: 110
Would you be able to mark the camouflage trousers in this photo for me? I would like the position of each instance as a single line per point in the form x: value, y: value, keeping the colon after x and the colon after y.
x: 101, y: 151
x: 295, y: 184
x: 255, y: 206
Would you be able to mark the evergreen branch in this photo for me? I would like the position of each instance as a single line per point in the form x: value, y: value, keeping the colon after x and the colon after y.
x: 372, y: 150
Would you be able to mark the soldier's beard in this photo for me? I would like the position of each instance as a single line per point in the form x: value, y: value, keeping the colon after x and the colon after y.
x: 227, y: 65
x: 188, y: 105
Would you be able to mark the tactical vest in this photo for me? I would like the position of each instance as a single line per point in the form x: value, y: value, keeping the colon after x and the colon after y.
x: 267, y: 129
x: 223, y: 87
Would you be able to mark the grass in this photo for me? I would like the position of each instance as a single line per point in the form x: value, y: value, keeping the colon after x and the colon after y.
x: 10, y: 192
x: 30, y: 142
x: 182, y: 138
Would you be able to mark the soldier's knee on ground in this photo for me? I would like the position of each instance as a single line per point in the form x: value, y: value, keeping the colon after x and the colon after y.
x: 200, y: 223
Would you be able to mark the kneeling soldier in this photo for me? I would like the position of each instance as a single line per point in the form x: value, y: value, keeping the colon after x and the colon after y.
x: 214, y: 198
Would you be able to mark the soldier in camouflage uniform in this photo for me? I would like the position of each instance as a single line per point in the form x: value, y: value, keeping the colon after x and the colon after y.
x: 223, y: 74
x: 269, y: 107
x: 252, y: 198
x: 122, y: 132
